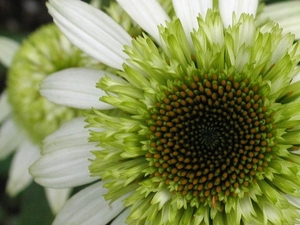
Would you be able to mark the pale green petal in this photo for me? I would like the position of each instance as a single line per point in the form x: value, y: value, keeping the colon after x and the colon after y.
x: 8, y: 48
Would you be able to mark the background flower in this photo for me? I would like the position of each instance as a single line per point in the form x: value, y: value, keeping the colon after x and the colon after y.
x: 26, y: 117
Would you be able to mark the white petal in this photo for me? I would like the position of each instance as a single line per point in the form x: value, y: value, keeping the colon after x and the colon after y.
x: 188, y: 11
x: 10, y: 138
x: 71, y: 138
x: 296, y: 78
x: 8, y: 48
x: 147, y: 14
x: 88, y: 207
x: 57, y: 198
x: 227, y: 7
x: 281, y: 49
x: 75, y: 87
x: 19, y: 177
x: 293, y: 200
x: 65, y: 168
x: 120, y: 220
x: 287, y: 14
x: 161, y: 197
x: 91, y: 30
x: 5, y: 108
x: 71, y: 133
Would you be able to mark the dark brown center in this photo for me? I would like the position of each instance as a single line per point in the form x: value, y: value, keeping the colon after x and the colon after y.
x: 210, y: 136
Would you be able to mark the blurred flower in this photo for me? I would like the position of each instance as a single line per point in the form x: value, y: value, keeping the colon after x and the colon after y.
x: 201, y: 120
x: 25, y: 116
x: 286, y: 13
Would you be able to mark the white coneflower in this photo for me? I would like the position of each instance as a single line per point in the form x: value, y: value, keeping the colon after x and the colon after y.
x: 202, y: 120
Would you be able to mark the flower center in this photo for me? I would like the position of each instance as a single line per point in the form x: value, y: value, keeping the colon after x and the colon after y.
x: 211, y: 135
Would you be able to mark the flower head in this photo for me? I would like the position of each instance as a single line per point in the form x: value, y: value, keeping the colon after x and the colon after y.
x: 26, y: 117
x: 205, y: 128
x: 205, y: 134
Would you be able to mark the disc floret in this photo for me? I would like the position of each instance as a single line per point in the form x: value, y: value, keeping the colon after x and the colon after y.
x: 211, y: 137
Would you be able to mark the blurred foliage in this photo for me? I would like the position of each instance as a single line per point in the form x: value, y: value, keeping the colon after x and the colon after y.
x: 28, y: 208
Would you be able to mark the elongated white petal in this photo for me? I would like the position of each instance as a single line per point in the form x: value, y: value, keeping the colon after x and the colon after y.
x: 8, y: 48
x: 65, y: 168
x: 286, y: 13
x: 10, y: 138
x: 19, y: 177
x: 91, y: 30
x: 71, y: 133
x: 66, y: 171
x: 88, y: 207
x: 148, y: 14
x: 75, y: 87
x: 120, y: 220
x: 188, y: 11
x: 57, y: 198
x: 5, y: 108
x: 228, y: 7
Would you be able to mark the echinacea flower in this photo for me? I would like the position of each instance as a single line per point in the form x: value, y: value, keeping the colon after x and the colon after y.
x: 26, y: 117
x: 202, y: 121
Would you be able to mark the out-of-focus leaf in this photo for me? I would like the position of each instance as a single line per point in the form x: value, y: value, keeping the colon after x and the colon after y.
x: 34, y: 207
